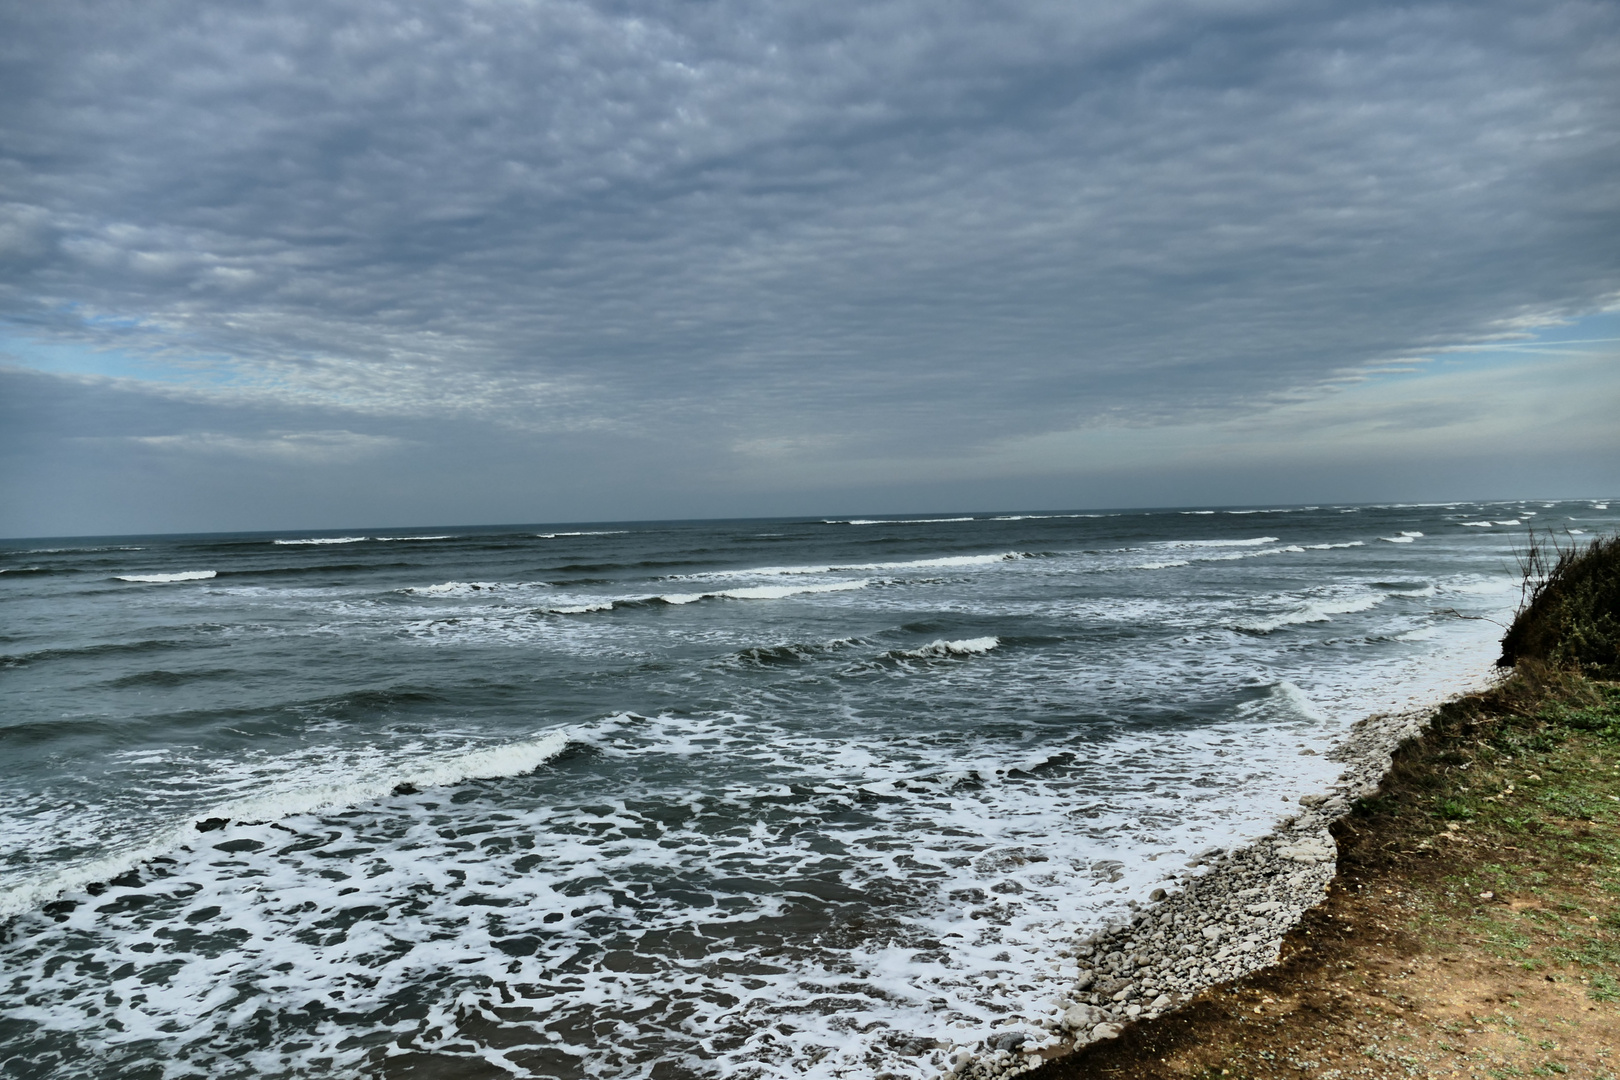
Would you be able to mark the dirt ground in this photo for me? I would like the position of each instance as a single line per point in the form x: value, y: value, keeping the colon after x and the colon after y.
x: 1473, y: 930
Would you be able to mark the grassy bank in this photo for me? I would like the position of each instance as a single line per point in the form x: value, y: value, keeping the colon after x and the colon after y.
x: 1474, y: 926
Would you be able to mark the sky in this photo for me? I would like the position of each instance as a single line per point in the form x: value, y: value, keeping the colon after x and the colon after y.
x: 276, y: 264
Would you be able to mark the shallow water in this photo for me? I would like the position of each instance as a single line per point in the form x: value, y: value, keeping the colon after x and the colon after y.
x: 793, y: 797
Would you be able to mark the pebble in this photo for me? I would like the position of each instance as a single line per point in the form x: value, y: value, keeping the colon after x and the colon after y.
x: 1216, y: 924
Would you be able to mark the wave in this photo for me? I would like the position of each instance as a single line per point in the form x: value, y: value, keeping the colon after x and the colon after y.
x: 1224, y: 557
x: 1311, y: 612
x: 467, y: 588
x: 770, y: 655
x: 942, y: 649
x: 1284, y: 696
x: 1600, y: 506
x: 763, y: 592
x: 325, y: 540
x: 599, y: 532
x: 24, y: 659
x: 894, y: 521
x: 943, y: 562
x: 434, y: 770
x: 1200, y: 512
x: 1476, y: 524
x: 1046, y: 517
x: 154, y: 579
x: 1329, y: 547
x: 1251, y: 542
x: 386, y: 539
x: 1515, y: 521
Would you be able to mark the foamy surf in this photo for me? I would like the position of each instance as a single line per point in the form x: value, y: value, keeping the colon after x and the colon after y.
x: 944, y: 562
x: 1311, y: 612
x: 319, y: 540
x: 896, y: 521
x: 316, y: 794
x: 593, y: 532
x: 158, y: 579
x: 764, y: 592
x: 941, y: 649
x: 972, y: 807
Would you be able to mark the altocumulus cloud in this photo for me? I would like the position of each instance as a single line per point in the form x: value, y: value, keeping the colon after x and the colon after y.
x: 880, y: 242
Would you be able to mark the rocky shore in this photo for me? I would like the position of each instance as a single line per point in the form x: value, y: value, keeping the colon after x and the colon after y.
x: 1225, y: 917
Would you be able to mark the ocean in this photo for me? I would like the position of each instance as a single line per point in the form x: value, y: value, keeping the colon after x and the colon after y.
x: 788, y: 797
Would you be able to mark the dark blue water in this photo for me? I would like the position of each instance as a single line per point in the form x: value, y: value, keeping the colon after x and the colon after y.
x: 670, y: 799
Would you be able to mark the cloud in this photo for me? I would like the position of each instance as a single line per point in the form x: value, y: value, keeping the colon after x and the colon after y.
x: 869, y: 227
x: 302, y: 446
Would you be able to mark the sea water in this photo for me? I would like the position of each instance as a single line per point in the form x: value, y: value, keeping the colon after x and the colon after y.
x: 794, y: 797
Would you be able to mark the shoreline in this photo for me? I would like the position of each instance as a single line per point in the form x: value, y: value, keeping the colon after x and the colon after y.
x: 1227, y: 919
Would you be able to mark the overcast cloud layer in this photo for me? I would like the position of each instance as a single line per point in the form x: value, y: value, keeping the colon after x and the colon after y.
x: 422, y: 261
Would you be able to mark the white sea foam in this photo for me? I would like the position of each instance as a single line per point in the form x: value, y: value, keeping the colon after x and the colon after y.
x: 894, y: 521
x: 386, y: 539
x: 595, y: 532
x: 326, y: 540
x: 1312, y: 611
x: 942, y: 648
x: 527, y: 909
x: 299, y: 794
x: 1401, y: 539
x: 1198, y: 512
x: 1514, y: 521
x: 1330, y: 547
x: 1046, y: 517
x: 1600, y: 506
x: 944, y: 562
x: 183, y: 575
x: 1225, y: 556
x: 1476, y: 524
x: 1414, y: 535
x: 471, y: 588
x: 1250, y: 542
x: 765, y: 592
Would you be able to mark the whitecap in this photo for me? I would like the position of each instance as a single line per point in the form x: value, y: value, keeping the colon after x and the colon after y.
x: 1515, y: 521
x: 1250, y: 542
x: 942, y: 648
x: 386, y: 539
x: 1312, y: 612
x: 467, y: 588
x: 183, y: 575
x: 1476, y: 524
x: 941, y: 563
x: 894, y: 521
x: 764, y: 592
x: 326, y: 540
x: 1401, y: 539
x: 597, y: 532
x: 1330, y: 547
